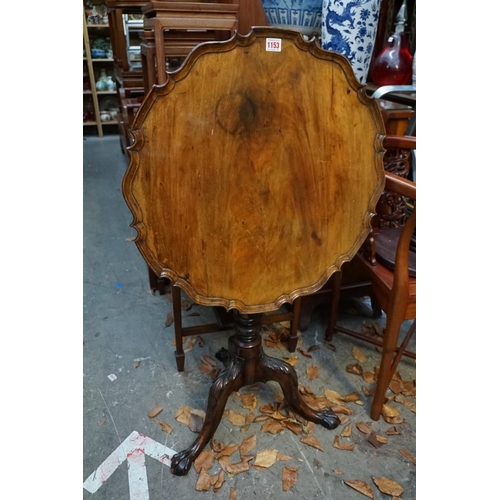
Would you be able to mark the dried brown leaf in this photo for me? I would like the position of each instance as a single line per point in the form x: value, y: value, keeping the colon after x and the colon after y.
x: 304, y: 352
x: 358, y: 354
x: 206, y: 368
x: 217, y: 447
x: 409, y: 456
x: 330, y: 346
x: 164, y: 426
x: 372, y: 439
x: 389, y: 411
x: 248, y: 401
x: 204, y: 482
x: 293, y: 426
x: 342, y: 445
x: 394, y: 420
x: 364, y: 427
x: 344, y: 419
x: 261, y: 418
x: 367, y: 392
x: 312, y: 372
x: 292, y: 360
x: 381, y: 439
x: 227, y: 451
x: 338, y: 471
x: 311, y: 441
x: 396, y: 386
x: 186, y: 304
x: 393, y: 431
x: 388, y: 486
x: 305, y: 389
x: 237, y: 468
x: 265, y: 458
x: 356, y: 369
x: 277, y: 415
x: 409, y: 388
x: 369, y: 377
x: 248, y: 444
x: 249, y: 418
x: 289, y: 477
x: 280, y: 456
x: 137, y: 364
x: 268, y: 408
x: 169, y: 320
x: 190, y: 342
x: 360, y: 486
x: 314, y: 348
x: 208, y: 360
x: 237, y: 419
x: 349, y: 398
x: 155, y: 411
x: 346, y: 431
x: 221, y: 477
x: 333, y: 396
x: 204, y: 460
x: 232, y: 493
x: 342, y: 409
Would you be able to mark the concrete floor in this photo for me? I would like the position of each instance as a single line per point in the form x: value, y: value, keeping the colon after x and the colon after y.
x: 125, y: 339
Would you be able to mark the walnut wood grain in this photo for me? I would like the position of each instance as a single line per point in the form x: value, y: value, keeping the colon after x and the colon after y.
x: 254, y: 175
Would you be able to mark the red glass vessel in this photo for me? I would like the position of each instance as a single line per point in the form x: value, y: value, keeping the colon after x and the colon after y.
x: 394, y: 65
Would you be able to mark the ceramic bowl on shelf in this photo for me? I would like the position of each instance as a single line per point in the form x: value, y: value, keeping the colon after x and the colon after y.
x: 105, y: 116
x: 98, y: 53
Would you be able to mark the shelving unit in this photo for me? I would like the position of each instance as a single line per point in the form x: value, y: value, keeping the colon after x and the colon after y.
x: 93, y: 99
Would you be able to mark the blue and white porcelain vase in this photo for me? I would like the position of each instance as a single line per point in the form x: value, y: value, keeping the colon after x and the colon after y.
x: 300, y: 15
x: 349, y: 27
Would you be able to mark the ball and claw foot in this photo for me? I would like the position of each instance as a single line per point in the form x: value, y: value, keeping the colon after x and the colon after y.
x: 181, y: 463
x: 328, y: 419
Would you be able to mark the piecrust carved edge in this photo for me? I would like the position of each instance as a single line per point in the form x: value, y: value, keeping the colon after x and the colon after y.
x: 137, y: 142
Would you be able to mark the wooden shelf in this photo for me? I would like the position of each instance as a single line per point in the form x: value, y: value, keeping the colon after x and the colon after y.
x: 89, y: 63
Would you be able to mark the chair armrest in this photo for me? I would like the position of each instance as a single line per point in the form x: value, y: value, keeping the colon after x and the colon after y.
x: 400, y: 142
x: 400, y: 185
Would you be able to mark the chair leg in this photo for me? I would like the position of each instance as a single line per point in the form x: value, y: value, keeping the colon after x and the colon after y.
x: 157, y: 284
x: 334, y: 306
x: 294, y: 324
x: 179, y: 350
x: 377, y: 311
x: 387, y: 365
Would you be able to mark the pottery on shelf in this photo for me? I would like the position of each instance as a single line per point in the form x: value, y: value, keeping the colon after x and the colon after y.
x: 100, y: 85
x: 349, y: 27
x: 105, y: 116
x: 300, y: 15
x: 110, y: 84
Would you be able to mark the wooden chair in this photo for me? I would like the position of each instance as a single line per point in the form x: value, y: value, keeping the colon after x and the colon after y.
x: 252, y: 191
x: 389, y: 262
x: 399, y: 160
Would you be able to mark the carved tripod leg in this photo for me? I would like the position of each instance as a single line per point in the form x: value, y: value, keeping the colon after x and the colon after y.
x: 229, y: 380
x: 283, y: 373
